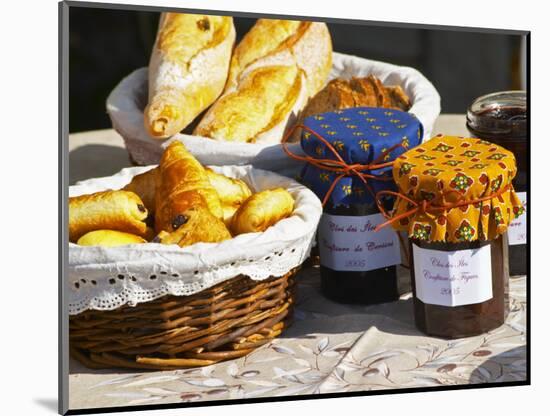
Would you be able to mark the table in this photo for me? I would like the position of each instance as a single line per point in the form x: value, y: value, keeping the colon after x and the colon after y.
x: 329, y: 348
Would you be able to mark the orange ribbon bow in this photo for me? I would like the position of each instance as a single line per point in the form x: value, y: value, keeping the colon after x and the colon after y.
x: 427, y: 206
x: 339, y: 165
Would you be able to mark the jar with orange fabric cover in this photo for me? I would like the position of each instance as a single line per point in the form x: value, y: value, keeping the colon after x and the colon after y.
x: 456, y: 200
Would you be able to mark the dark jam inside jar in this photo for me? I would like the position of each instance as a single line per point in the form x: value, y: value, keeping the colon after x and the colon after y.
x: 468, y: 319
x: 358, y: 287
x: 501, y: 118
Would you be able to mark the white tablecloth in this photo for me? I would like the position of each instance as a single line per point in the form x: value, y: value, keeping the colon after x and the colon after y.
x: 329, y: 348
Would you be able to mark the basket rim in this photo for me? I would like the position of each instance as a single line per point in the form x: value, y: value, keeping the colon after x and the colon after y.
x: 103, y: 278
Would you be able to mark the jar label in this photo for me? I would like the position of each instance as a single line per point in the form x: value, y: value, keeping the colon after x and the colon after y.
x: 517, y: 230
x: 349, y: 243
x: 453, y: 278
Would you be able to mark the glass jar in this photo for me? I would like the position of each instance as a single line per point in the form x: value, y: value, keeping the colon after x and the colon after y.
x: 486, y: 306
x: 349, y: 157
x: 501, y: 118
x: 456, y: 202
x: 357, y: 265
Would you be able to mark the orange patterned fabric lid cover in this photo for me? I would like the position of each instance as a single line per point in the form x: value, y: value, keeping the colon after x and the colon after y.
x: 448, y: 170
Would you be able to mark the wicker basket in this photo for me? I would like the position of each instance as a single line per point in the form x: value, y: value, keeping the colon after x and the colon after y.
x: 226, y: 321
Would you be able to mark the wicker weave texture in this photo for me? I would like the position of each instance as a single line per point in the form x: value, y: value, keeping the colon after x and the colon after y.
x: 226, y: 321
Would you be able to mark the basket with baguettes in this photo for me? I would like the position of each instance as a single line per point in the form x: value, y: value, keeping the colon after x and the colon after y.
x: 179, y: 265
x: 234, y: 106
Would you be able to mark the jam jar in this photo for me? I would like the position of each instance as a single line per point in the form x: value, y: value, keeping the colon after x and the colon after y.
x: 456, y: 202
x: 486, y: 313
x: 367, y: 276
x: 357, y: 264
x: 501, y: 118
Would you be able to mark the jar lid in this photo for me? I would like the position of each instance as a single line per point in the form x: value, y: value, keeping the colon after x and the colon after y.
x: 498, y: 114
x: 467, y: 186
x: 360, y: 135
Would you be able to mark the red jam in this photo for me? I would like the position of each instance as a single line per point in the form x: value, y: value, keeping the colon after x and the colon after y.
x: 502, y: 118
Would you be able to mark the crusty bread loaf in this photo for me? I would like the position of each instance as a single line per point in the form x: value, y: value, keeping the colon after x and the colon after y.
x: 340, y: 94
x: 188, y: 69
x: 277, y: 66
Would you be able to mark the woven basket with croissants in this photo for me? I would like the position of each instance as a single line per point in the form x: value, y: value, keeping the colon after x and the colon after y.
x: 180, y: 202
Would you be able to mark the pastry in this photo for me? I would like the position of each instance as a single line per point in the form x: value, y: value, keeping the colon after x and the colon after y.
x: 277, y: 66
x: 230, y: 190
x: 144, y: 185
x: 188, y: 69
x: 182, y: 184
x: 262, y: 210
x: 228, y: 213
x: 109, y: 238
x: 107, y: 210
x: 194, y: 225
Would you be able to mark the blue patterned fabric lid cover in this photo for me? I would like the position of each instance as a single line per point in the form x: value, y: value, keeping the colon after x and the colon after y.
x: 359, y: 135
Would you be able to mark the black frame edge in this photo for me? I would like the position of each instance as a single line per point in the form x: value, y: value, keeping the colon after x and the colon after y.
x: 63, y: 176
x: 305, y: 397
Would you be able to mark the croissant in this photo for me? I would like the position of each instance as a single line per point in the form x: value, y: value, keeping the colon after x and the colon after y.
x: 230, y: 190
x: 107, y: 210
x: 188, y: 69
x: 144, y: 186
x: 195, y: 225
x: 228, y: 213
x: 182, y: 184
x: 262, y: 210
x: 109, y: 238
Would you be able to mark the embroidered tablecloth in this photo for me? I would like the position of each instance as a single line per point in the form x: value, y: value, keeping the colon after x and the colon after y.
x: 329, y: 348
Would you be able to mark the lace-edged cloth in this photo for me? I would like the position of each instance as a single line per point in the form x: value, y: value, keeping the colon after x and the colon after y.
x: 105, y: 278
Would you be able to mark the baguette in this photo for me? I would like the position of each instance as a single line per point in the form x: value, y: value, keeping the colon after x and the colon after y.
x: 275, y: 69
x: 188, y: 69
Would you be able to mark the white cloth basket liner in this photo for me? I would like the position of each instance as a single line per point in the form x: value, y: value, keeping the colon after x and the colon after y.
x: 126, y: 102
x: 105, y: 278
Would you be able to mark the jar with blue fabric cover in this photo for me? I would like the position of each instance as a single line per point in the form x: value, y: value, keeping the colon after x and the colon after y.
x: 349, y: 155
